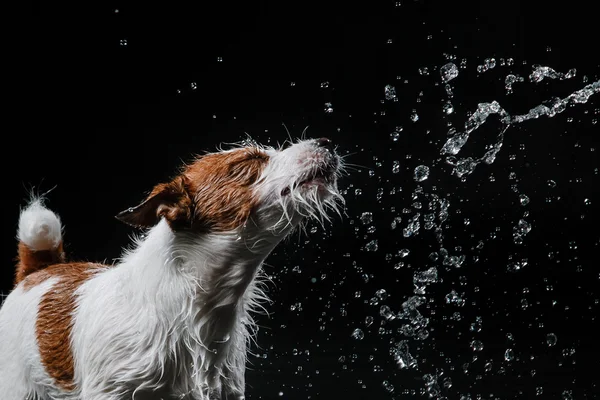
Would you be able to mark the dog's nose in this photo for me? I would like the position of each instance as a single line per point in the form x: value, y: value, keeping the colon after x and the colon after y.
x: 324, y: 142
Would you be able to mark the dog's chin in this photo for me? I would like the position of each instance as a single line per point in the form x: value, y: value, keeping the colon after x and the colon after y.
x: 321, y: 184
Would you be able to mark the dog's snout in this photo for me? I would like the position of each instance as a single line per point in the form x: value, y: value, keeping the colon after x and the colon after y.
x: 324, y: 142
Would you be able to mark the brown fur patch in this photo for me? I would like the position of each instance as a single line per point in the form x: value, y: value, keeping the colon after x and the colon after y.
x: 55, y: 317
x: 168, y: 200
x: 220, y: 185
x: 213, y: 193
x: 30, y: 261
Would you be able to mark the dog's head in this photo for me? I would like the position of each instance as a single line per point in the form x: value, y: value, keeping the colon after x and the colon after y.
x: 270, y: 188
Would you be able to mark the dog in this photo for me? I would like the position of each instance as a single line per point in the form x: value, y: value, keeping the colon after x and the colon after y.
x: 172, y: 318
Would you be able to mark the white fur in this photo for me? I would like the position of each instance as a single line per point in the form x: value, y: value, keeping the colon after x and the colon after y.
x: 39, y: 228
x: 290, y: 167
x: 21, y: 372
x: 173, y: 318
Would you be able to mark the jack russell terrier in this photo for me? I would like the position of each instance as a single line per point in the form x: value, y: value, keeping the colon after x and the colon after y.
x: 172, y: 319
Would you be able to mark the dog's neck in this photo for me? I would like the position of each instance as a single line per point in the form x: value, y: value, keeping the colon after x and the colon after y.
x: 219, y: 265
x: 204, y: 284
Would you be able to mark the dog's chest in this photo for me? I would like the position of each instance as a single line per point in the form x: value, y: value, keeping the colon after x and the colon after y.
x: 200, y: 358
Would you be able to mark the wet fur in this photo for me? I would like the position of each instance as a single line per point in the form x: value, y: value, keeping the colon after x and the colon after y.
x: 172, y: 318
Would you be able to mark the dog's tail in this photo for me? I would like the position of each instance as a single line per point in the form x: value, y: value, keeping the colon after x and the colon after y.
x: 40, y: 239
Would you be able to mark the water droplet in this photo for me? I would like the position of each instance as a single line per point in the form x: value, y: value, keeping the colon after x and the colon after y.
x: 386, y: 312
x: 428, y: 276
x: 448, y: 108
x: 388, y: 386
x: 366, y: 218
x: 567, y: 395
x: 539, y: 391
x: 381, y: 294
x: 396, y: 167
x: 523, y: 227
x: 509, y: 355
x: 488, y: 366
x: 477, y: 325
x: 328, y: 108
x: 358, y: 334
x: 413, y: 226
x: 477, y: 345
x: 517, y: 265
x: 523, y: 199
x: 448, y: 72
x: 551, y: 339
x: 402, y: 355
x: 454, y: 298
x: 390, y: 92
x: 489, y: 62
x: 421, y: 173
x: 372, y: 245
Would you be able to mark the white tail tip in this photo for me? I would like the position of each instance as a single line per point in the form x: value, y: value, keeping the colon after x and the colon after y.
x: 39, y: 228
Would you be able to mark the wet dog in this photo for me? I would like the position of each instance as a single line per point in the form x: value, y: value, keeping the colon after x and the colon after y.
x: 172, y: 319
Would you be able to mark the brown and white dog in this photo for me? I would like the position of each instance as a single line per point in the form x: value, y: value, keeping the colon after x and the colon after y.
x: 172, y: 319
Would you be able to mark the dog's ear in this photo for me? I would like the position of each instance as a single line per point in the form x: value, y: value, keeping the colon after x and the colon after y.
x: 167, y: 200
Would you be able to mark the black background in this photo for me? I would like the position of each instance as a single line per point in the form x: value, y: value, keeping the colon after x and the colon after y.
x: 104, y: 99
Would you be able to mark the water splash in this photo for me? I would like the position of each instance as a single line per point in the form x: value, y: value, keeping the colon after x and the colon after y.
x: 402, y: 356
x: 409, y: 323
x: 465, y: 166
x: 415, y: 322
x: 540, y: 72
x: 511, y: 80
